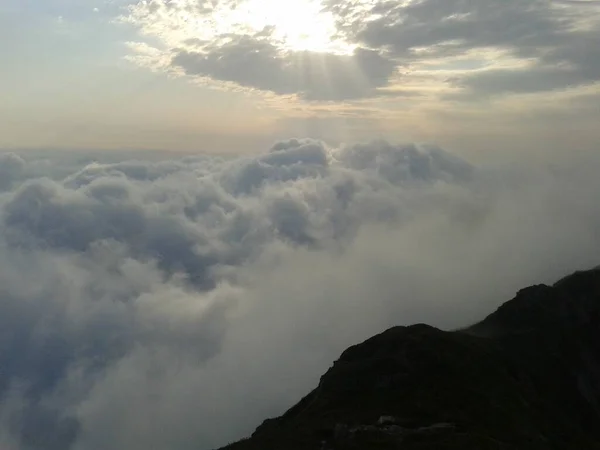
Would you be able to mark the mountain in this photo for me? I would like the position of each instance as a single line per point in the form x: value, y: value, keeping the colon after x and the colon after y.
x: 526, y: 377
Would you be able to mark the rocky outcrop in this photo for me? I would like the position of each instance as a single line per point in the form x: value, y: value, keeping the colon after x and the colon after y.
x: 526, y: 377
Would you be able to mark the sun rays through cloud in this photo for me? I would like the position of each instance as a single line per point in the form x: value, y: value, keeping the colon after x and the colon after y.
x: 297, y: 25
x: 295, y: 48
x: 293, y: 25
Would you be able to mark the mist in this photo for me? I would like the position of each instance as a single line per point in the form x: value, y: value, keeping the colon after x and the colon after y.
x: 177, y: 303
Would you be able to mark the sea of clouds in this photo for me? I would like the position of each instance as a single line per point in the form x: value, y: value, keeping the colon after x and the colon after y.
x: 175, y: 303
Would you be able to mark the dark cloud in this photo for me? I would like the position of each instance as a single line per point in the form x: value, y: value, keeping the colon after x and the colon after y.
x: 525, y: 26
x: 257, y: 63
x: 177, y: 303
x: 11, y: 170
x: 557, y: 46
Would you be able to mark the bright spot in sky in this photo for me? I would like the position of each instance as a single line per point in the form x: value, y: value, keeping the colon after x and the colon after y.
x: 298, y: 25
x: 290, y: 25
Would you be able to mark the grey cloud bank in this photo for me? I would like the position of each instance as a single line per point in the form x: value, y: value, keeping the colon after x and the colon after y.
x: 548, y: 41
x: 515, y: 47
x: 178, y: 303
x: 255, y: 63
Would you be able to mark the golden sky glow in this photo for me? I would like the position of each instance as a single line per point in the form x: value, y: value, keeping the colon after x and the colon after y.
x: 300, y: 25
x: 294, y: 25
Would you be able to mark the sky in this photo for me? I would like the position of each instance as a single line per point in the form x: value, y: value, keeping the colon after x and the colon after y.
x: 218, y: 75
x: 203, y: 203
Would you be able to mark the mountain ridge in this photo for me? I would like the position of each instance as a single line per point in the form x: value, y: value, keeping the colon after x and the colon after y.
x: 526, y: 376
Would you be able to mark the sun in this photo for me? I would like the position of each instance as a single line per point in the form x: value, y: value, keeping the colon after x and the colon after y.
x: 289, y: 25
x: 299, y: 25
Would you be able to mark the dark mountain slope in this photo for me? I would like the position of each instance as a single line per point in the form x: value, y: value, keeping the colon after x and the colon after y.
x: 526, y: 377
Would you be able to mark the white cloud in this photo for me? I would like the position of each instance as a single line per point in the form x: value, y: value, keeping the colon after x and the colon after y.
x: 177, y: 303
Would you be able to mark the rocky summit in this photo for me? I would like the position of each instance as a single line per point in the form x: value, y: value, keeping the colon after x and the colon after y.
x: 526, y: 377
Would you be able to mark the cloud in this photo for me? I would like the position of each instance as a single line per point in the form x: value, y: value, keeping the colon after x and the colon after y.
x: 11, y: 169
x: 258, y: 64
x: 177, y: 303
x: 552, y: 42
x: 509, y: 45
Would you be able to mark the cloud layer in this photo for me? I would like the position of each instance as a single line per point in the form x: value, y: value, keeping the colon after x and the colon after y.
x: 177, y: 303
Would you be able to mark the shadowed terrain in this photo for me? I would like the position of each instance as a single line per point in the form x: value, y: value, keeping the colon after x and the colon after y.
x: 528, y: 376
